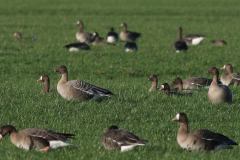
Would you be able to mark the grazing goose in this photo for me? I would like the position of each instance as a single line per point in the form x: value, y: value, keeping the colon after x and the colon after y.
x: 178, y: 83
x: 218, y: 93
x: 229, y: 77
x: 130, y: 46
x: 180, y: 44
x: 19, y: 36
x: 196, y: 82
x: 33, y: 138
x: 165, y: 87
x: 96, y: 41
x: 126, y: 35
x: 194, y: 39
x: 112, y: 36
x: 118, y: 139
x: 200, y: 140
x: 219, y: 42
x: 78, y: 90
x: 154, y: 80
x: 77, y: 46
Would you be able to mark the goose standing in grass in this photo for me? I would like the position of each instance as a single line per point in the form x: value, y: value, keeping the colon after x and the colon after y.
x: 219, y: 42
x: 178, y: 83
x: 19, y: 36
x: 96, y: 41
x: 33, y: 138
x: 165, y: 87
x: 78, y: 90
x: 130, y: 47
x: 77, y: 46
x: 200, y: 140
x: 112, y: 36
x: 180, y: 44
x: 229, y: 77
x: 194, y: 39
x: 126, y: 35
x: 123, y: 140
x: 196, y: 82
x: 154, y: 80
x: 218, y: 93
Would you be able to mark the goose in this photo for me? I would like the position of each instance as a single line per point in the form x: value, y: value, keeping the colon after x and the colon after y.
x: 180, y: 44
x: 196, y: 82
x: 194, y: 39
x: 219, y: 42
x: 46, y: 80
x: 178, y: 83
x: 130, y: 46
x: 83, y: 37
x: 34, y: 138
x: 126, y: 35
x: 77, y: 46
x: 154, y: 80
x: 229, y: 77
x: 112, y: 36
x: 165, y: 87
x: 118, y: 139
x: 218, y: 93
x: 200, y: 140
x: 78, y: 90
x: 96, y: 41
x: 19, y: 36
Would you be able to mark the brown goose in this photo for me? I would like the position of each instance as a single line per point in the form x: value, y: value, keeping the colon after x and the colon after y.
x: 96, y: 41
x: 178, y: 83
x: 33, y: 138
x: 180, y: 44
x: 126, y: 35
x: 112, y: 36
x: 229, y: 77
x: 219, y: 42
x: 165, y: 87
x: 196, y: 82
x: 83, y: 37
x: 218, y: 93
x: 118, y: 139
x: 200, y: 140
x: 193, y: 39
x: 46, y: 81
x: 154, y: 80
x: 19, y: 36
x: 78, y: 90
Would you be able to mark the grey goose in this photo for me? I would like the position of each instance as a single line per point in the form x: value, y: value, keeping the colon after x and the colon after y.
x: 200, y: 140
x: 34, y: 138
x: 180, y: 44
x: 126, y: 35
x: 118, y: 139
x: 230, y: 78
x: 218, y: 93
x: 196, y: 82
x: 78, y: 90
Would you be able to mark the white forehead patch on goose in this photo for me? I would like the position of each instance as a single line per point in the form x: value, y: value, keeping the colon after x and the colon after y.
x: 40, y: 78
x: 177, y: 116
x: 162, y: 86
x: 224, y: 66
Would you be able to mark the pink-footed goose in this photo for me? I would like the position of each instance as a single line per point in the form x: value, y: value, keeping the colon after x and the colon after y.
x: 229, y: 77
x: 178, y: 83
x: 126, y: 35
x: 180, y: 44
x: 19, y: 36
x: 196, y: 82
x: 218, y: 93
x: 83, y: 37
x: 33, y: 138
x: 112, y: 36
x: 118, y: 139
x: 78, y: 90
x: 200, y: 140
x: 194, y: 39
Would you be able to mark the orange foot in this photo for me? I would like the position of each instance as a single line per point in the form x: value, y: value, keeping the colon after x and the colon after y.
x: 47, y: 148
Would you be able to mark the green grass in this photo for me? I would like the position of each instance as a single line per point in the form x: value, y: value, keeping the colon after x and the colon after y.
x: 132, y: 107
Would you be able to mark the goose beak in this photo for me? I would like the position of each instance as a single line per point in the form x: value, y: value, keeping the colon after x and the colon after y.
x: 175, y: 119
x: 222, y: 68
x: 208, y: 72
x: 39, y: 80
x: 161, y: 88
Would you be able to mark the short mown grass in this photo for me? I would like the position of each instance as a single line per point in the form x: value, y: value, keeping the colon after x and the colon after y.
x: 147, y: 114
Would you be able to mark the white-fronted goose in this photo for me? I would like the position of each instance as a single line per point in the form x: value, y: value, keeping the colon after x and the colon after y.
x: 218, y: 93
x: 130, y: 46
x: 83, y: 37
x: 46, y: 81
x: 154, y: 80
x: 33, y: 138
x: 112, y: 36
x: 78, y: 90
x: 229, y: 77
x: 194, y: 39
x: 200, y: 140
x: 77, y: 46
x: 180, y: 44
x: 126, y: 35
x: 118, y: 139
x: 196, y: 82
x: 165, y: 87
x: 96, y: 41
x: 219, y: 42
x: 178, y: 83
x: 19, y: 36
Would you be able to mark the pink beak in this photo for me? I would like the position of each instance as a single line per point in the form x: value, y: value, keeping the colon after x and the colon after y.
x: 222, y: 68
x: 175, y: 119
x: 15, y: 34
x: 39, y: 80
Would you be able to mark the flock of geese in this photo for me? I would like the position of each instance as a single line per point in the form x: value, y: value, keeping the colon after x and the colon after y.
x: 119, y: 139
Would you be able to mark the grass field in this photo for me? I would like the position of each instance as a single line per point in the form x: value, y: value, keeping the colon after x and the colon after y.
x: 147, y: 114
